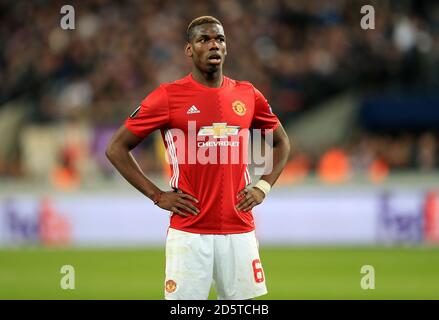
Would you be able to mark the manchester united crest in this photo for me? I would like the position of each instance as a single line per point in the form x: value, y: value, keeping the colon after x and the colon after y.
x: 239, y: 108
x: 170, y: 286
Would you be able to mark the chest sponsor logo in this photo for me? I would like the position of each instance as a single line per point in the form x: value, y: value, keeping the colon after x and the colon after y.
x: 219, y: 130
x: 217, y: 143
x: 239, y: 108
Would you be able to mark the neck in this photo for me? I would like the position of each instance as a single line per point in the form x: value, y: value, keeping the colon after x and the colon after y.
x: 209, y: 79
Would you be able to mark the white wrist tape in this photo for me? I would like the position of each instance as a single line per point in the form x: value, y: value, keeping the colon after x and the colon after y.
x: 264, y: 186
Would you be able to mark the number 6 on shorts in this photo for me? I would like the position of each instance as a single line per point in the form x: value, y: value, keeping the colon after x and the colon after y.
x: 258, y: 273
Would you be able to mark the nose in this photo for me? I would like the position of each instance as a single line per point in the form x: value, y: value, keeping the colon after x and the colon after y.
x: 213, y: 44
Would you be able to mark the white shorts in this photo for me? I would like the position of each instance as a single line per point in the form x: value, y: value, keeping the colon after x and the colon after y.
x: 231, y: 262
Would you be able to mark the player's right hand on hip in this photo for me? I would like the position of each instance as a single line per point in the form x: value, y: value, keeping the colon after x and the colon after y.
x: 179, y: 203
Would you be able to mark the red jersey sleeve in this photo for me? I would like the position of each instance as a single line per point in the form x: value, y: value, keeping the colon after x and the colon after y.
x: 263, y: 117
x: 152, y: 114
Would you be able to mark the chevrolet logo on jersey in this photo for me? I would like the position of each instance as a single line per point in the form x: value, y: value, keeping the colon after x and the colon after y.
x: 219, y: 130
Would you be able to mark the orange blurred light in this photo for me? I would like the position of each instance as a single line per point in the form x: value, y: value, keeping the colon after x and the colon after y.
x: 334, y: 166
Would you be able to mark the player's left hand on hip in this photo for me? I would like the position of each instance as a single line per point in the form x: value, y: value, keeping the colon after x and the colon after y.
x: 249, y: 198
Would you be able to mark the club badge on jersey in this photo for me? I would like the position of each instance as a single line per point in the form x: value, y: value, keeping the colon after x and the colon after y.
x: 239, y: 108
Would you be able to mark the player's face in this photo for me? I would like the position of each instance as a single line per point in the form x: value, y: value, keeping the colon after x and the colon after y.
x: 208, y: 47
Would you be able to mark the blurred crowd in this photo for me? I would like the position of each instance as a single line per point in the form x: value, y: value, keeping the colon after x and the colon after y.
x: 367, y: 156
x: 297, y: 52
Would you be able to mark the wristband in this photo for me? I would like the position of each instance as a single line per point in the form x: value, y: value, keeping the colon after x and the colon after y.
x: 264, y: 186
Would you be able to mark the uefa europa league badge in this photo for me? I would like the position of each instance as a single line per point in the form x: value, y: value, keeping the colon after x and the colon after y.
x: 239, y: 108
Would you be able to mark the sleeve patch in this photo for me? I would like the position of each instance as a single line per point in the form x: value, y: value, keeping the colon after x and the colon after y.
x: 133, y: 115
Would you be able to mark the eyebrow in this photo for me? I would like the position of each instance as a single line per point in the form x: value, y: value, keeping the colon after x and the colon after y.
x: 204, y: 35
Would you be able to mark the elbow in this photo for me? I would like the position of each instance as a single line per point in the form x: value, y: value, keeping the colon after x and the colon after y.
x: 288, y: 147
x: 110, y: 151
x: 115, y: 150
x: 285, y: 145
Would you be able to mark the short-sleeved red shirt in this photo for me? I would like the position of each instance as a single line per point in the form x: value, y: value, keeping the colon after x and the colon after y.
x: 205, y: 131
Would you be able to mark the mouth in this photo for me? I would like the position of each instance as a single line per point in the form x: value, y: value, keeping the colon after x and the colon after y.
x: 214, y: 58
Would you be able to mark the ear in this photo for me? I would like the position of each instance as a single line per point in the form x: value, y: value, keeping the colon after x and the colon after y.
x: 188, y: 49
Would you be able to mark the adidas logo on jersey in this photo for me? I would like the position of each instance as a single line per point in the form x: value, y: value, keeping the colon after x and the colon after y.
x: 192, y: 110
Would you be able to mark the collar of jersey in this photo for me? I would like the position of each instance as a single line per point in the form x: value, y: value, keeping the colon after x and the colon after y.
x: 223, y: 84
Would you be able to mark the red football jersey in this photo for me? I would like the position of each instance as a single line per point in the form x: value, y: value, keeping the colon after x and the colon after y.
x: 205, y: 131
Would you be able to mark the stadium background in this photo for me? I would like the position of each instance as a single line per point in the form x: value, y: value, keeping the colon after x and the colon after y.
x: 361, y: 108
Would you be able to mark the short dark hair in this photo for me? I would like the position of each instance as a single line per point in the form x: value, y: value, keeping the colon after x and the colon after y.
x: 198, y: 22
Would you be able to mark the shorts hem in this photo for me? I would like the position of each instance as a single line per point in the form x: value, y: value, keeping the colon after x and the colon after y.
x: 212, y: 232
x: 245, y: 297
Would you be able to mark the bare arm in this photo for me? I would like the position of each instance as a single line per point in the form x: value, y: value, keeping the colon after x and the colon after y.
x: 251, y: 197
x: 281, y: 151
x: 119, y: 153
